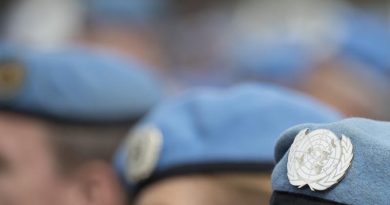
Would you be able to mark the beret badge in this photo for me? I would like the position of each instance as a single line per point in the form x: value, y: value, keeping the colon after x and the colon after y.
x: 143, y: 148
x: 12, y: 75
x: 318, y: 159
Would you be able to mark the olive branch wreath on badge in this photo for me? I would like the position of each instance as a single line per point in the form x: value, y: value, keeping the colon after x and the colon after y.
x: 318, y: 159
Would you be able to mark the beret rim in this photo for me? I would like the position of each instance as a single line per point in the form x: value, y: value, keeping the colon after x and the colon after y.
x: 283, y: 196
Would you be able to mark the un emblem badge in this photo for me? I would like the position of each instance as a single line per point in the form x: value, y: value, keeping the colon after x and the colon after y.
x: 318, y: 159
x: 143, y: 151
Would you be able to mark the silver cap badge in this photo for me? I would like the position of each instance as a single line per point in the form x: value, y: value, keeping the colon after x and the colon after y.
x: 143, y: 148
x: 318, y: 159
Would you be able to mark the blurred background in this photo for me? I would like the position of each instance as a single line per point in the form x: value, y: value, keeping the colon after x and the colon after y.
x: 337, y: 51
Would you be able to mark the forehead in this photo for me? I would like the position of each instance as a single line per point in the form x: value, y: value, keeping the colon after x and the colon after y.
x: 21, y: 132
x: 188, y: 190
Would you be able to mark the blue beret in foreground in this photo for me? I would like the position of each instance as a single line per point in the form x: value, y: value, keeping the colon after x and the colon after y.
x: 362, y: 163
x: 215, y: 130
x: 76, y: 84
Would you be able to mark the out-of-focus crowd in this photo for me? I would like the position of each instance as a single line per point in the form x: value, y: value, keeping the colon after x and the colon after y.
x: 190, y: 102
x: 336, y: 51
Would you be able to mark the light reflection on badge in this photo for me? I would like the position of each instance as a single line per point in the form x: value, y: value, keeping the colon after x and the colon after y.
x: 318, y: 159
x: 12, y: 77
x: 143, y: 147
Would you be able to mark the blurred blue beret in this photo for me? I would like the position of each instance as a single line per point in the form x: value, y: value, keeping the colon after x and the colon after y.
x: 8, y: 50
x: 125, y: 11
x: 281, y: 61
x: 366, y: 181
x: 76, y: 84
x: 367, y: 39
x: 215, y: 130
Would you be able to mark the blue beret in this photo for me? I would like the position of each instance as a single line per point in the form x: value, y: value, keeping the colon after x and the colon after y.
x: 76, y: 84
x: 362, y: 166
x: 367, y: 39
x: 273, y: 61
x: 215, y: 130
x: 8, y: 50
x: 125, y: 11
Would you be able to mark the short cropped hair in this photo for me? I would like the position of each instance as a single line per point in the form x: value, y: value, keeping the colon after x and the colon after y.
x: 75, y: 144
x: 249, y: 188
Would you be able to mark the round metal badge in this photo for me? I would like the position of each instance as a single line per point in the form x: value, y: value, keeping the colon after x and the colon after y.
x: 143, y: 148
x: 318, y: 159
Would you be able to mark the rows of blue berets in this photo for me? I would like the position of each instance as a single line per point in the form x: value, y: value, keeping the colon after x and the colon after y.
x: 220, y: 129
x: 235, y: 127
x: 358, y: 35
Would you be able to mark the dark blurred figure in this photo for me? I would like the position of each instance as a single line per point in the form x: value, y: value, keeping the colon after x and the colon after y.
x: 193, y: 35
x: 4, y: 12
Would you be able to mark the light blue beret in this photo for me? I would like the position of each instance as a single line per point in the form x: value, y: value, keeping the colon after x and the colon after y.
x: 215, y: 130
x: 282, y: 61
x: 114, y: 11
x: 77, y: 84
x: 8, y: 50
x: 367, y: 179
x: 367, y: 38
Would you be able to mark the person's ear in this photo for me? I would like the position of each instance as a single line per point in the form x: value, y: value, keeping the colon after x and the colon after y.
x: 97, y: 184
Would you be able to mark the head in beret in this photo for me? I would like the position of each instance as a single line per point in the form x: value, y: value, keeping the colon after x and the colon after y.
x: 343, y: 162
x: 358, y: 71
x: 62, y: 115
x: 214, y: 145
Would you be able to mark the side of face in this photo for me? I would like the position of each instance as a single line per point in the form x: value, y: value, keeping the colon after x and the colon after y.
x: 28, y: 173
x: 31, y: 174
